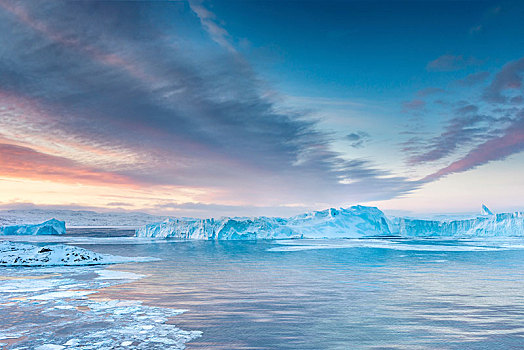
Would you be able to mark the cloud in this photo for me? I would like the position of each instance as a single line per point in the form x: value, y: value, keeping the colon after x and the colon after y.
x: 143, y: 106
x: 478, y: 132
x: 413, y: 105
x: 430, y: 91
x: 509, y: 78
x: 209, y: 22
x: 459, y: 131
x: 26, y: 163
x: 358, y: 138
x: 497, y: 148
x: 473, y: 79
x: 449, y: 63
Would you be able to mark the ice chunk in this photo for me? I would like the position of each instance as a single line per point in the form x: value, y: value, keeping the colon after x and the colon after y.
x: 353, y: 222
x: 49, y: 227
x: 485, y: 210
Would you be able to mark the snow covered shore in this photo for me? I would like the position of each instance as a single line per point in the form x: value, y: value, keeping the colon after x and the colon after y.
x: 22, y: 254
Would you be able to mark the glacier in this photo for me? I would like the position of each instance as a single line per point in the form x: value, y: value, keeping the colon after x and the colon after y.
x: 49, y: 227
x: 353, y: 222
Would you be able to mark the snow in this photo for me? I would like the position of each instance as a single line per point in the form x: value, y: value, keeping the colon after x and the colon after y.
x: 20, y: 254
x: 49, y: 227
x: 353, y: 222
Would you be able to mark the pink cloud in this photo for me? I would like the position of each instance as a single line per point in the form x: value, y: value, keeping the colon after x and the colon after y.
x: 27, y: 163
x: 499, y: 148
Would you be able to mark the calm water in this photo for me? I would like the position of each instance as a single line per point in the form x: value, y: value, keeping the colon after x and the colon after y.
x: 347, y: 294
x: 260, y: 295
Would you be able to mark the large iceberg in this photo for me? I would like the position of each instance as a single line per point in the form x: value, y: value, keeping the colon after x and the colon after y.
x: 490, y: 225
x: 49, y: 227
x: 353, y: 222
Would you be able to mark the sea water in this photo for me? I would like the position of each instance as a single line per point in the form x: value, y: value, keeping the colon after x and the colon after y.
x: 297, y: 294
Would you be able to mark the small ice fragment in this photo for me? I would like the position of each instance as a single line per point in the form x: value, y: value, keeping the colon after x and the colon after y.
x: 50, y: 347
x: 72, y: 342
x: 117, y: 275
x: 74, y: 294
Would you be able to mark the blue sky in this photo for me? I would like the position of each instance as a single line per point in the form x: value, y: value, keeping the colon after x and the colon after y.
x: 208, y: 108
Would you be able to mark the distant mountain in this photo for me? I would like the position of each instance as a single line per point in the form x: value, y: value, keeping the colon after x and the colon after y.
x: 75, y: 217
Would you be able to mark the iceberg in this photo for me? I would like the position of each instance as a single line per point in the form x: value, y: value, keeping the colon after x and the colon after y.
x: 22, y: 254
x: 494, y: 225
x: 49, y: 227
x: 354, y: 222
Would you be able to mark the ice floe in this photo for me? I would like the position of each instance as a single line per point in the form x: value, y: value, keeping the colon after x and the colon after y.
x: 63, y: 312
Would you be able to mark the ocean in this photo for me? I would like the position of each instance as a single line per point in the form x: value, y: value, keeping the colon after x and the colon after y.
x: 295, y: 294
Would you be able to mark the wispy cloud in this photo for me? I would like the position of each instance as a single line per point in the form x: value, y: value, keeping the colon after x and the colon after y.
x: 357, y: 139
x: 473, y: 79
x: 430, y: 91
x: 138, y: 106
x: 490, y: 128
x: 209, y: 21
x: 497, y: 148
x: 24, y: 162
x: 508, y: 79
x: 466, y: 128
x: 449, y: 63
x: 413, y: 105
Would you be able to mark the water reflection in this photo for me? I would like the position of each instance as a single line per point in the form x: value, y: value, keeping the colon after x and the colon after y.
x: 248, y: 295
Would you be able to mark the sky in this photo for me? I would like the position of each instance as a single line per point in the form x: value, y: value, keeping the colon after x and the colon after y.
x: 211, y: 108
